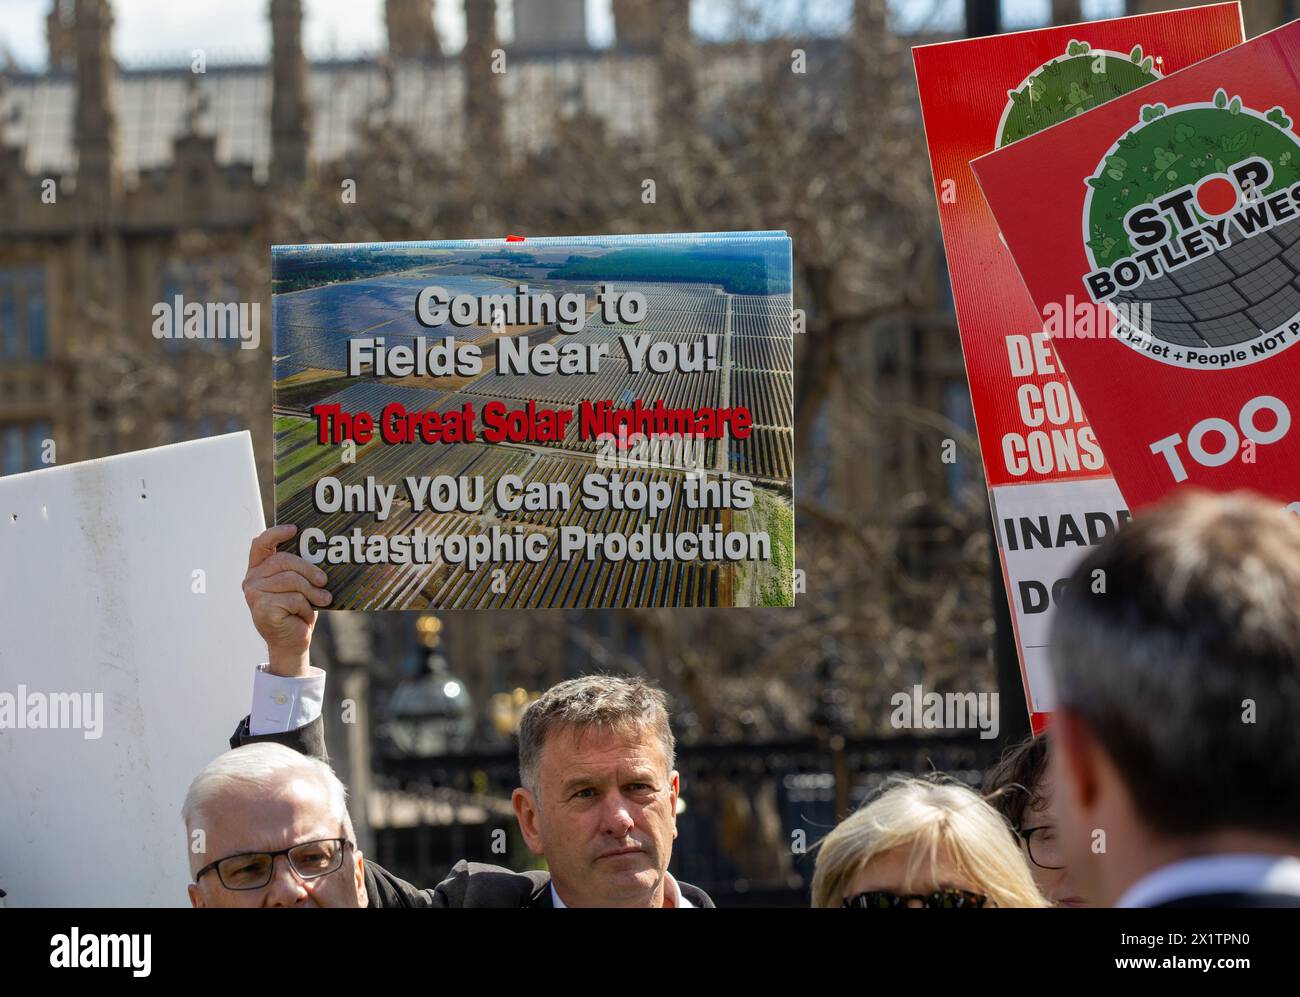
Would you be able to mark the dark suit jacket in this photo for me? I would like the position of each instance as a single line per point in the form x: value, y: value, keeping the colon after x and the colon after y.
x: 542, y: 894
x: 470, y: 884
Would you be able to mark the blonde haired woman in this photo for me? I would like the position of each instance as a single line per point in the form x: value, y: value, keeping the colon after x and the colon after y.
x: 923, y: 843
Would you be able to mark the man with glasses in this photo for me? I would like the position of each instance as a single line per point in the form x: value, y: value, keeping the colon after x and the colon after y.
x: 269, y: 827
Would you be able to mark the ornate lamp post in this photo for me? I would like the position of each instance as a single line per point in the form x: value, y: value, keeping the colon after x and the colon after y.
x: 430, y: 714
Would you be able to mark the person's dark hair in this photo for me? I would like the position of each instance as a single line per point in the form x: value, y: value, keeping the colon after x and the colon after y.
x: 1014, y: 785
x: 1177, y: 641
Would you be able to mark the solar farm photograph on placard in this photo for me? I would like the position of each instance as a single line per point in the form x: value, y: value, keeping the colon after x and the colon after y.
x: 528, y: 423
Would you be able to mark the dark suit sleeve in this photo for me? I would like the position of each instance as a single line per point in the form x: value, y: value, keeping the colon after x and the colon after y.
x: 476, y: 884
x: 470, y: 884
x: 308, y: 740
x: 383, y: 889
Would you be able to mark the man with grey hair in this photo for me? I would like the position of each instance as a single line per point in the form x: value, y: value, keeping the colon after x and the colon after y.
x: 599, y: 795
x: 1176, y: 659
x: 269, y: 827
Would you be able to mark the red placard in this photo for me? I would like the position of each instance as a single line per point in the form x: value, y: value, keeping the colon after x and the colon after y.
x: 1051, y: 490
x: 1173, y: 215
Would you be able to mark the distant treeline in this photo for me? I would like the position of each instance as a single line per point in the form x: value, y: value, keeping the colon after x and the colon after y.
x: 297, y: 272
x: 757, y: 268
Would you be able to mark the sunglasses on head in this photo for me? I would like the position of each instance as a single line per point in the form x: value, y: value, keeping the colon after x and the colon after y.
x: 939, y: 898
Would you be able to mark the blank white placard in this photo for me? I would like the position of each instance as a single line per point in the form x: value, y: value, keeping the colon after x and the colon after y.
x: 97, y: 594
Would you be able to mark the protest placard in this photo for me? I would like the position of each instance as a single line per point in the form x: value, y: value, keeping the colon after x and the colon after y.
x: 1161, y: 237
x: 126, y: 661
x: 1050, y: 487
x: 593, y: 422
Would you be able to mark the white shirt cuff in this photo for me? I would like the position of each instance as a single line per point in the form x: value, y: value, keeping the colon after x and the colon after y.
x: 283, y: 704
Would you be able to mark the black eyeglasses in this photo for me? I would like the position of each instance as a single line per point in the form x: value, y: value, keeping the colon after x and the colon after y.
x: 252, y: 870
x: 939, y: 898
x: 1041, y: 843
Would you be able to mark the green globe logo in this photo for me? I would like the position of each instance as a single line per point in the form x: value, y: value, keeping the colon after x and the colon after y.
x: 1210, y: 311
x: 1070, y: 84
